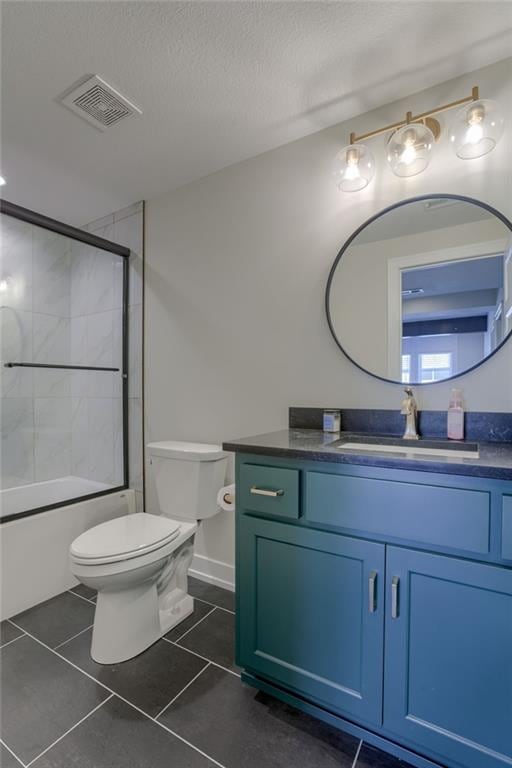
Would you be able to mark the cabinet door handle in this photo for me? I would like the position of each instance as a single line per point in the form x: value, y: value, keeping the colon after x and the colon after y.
x: 372, y: 596
x: 264, y: 492
x: 395, y: 585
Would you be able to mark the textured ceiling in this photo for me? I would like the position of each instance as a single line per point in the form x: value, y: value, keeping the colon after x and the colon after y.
x: 218, y: 82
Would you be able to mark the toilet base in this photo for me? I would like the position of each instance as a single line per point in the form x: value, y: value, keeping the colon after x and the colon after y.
x: 176, y: 612
x: 125, y: 624
x: 136, y: 608
x: 134, y: 623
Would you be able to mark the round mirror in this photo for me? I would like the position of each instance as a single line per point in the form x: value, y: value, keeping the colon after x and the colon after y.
x: 422, y: 292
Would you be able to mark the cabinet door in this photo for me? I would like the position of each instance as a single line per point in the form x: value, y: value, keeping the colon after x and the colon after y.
x: 311, y: 614
x: 448, y: 666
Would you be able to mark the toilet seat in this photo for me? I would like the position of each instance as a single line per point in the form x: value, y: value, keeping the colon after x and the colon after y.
x: 124, y: 538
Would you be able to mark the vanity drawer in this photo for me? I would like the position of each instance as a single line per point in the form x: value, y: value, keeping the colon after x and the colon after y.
x: 506, y: 529
x: 270, y: 490
x: 444, y: 517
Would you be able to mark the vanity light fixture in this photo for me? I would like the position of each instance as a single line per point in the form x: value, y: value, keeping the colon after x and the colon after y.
x: 476, y: 130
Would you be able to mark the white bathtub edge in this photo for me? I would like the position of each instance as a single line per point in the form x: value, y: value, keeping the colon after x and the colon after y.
x: 34, y: 549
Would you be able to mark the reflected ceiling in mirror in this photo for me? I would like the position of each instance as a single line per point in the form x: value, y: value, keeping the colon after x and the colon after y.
x: 423, y: 291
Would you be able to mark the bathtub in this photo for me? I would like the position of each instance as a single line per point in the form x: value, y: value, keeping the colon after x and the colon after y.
x: 34, y: 549
x: 17, y: 502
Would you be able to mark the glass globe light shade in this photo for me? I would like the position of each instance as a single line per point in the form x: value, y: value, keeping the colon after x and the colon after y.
x: 476, y: 129
x: 354, y: 168
x: 409, y: 149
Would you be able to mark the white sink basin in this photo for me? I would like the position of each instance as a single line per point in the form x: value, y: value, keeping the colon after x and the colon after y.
x: 416, y: 448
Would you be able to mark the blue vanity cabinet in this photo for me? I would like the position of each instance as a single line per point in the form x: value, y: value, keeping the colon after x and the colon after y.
x: 448, y: 664
x: 311, y: 614
x: 506, y: 528
x: 381, y: 601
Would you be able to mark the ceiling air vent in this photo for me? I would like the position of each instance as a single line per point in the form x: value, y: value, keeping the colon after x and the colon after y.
x: 99, y: 103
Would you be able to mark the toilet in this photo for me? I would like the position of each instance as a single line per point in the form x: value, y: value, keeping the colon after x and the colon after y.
x: 138, y: 563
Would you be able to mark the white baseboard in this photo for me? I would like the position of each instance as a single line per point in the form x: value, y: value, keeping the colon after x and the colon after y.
x: 213, y: 571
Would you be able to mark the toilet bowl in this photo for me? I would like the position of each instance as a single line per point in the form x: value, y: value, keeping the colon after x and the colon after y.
x: 139, y: 563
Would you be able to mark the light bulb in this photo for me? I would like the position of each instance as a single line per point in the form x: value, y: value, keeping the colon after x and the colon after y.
x: 2, y: 181
x: 409, y: 149
x: 409, y: 155
x: 354, y: 168
x: 474, y: 134
x: 4, y: 284
x: 352, y: 171
x: 476, y: 129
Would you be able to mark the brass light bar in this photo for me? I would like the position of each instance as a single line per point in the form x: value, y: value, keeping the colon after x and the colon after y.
x: 416, y: 118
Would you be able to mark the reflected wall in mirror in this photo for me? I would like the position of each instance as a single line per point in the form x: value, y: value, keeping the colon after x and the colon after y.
x: 423, y: 291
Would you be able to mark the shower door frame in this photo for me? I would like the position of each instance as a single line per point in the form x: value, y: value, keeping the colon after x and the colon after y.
x: 74, y: 233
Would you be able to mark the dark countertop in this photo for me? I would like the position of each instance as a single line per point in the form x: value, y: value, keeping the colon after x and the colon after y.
x: 495, y: 460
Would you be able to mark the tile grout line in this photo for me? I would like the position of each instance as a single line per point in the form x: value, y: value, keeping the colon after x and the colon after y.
x: 225, y: 669
x: 75, y: 594
x: 188, y: 743
x: 73, y: 637
x: 213, y: 605
x: 70, y: 729
x: 208, y: 602
x: 12, y: 753
x: 195, y: 625
x: 227, y: 610
x: 102, y: 685
x: 204, y: 658
x: 182, y: 690
x: 200, y: 600
x: 4, y: 645
x: 60, y: 656
x: 356, y: 758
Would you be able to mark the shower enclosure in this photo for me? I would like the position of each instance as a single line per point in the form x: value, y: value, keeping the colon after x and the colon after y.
x: 64, y: 349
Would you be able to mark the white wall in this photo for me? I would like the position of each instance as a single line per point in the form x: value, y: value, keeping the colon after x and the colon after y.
x: 236, y: 266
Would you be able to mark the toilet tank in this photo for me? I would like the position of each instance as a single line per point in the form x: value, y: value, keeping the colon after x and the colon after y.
x: 188, y: 477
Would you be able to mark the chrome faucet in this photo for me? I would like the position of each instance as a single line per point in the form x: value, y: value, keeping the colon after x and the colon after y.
x: 410, y: 410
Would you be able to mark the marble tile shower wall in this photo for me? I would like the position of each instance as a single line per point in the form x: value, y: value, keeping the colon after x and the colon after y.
x: 126, y: 227
x: 17, y: 457
x: 61, y: 304
x: 96, y: 300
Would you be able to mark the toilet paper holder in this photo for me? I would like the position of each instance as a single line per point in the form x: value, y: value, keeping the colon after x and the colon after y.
x: 226, y: 497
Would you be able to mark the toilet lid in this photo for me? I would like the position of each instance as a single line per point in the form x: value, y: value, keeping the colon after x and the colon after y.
x: 172, y: 449
x: 127, y: 535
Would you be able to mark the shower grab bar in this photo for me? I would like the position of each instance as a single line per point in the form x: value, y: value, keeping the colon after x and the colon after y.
x: 66, y: 367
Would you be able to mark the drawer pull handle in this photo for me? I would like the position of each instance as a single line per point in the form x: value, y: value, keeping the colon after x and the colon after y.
x: 264, y: 492
x: 372, y: 595
x: 395, y: 584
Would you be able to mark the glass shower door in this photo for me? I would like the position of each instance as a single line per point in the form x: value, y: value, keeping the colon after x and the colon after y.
x: 63, y: 350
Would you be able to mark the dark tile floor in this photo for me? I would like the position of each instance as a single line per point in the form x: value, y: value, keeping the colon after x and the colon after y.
x: 179, y: 704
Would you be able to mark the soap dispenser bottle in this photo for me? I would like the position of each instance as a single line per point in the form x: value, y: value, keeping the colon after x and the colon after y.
x: 456, y: 416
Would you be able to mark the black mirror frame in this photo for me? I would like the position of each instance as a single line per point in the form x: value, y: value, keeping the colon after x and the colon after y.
x: 352, y: 237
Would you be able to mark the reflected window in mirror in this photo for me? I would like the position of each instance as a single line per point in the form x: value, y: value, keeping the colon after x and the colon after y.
x: 451, y: 316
